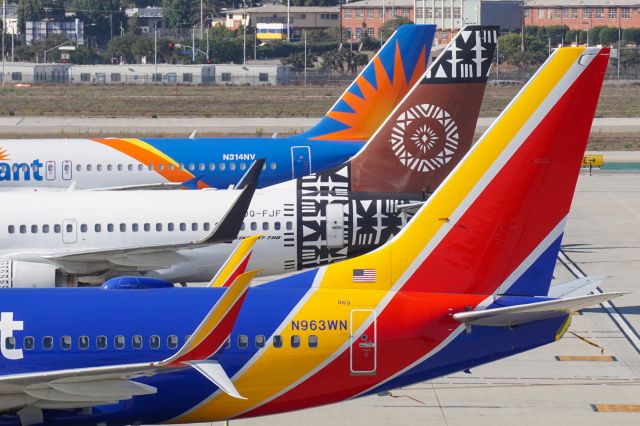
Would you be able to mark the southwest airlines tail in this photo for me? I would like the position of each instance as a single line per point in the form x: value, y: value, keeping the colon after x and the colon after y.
x: 379, y: 87
x: 432, y: 128
x: 495, y: 224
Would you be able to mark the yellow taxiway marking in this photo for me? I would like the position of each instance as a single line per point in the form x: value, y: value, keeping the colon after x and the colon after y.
x: 616, y: 408
x: 603, y: 358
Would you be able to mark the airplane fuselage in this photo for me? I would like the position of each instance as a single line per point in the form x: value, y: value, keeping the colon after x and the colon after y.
x: 218, y: 162
x: 281, y: 357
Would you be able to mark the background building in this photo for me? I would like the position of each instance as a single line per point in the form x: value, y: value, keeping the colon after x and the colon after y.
x: 12, y: 18
x: 149, y: 18
x: 583, y: 14
x: 451, y: 15
x: 72, y: 30
x: 365, y: 17
x: 301, y: 18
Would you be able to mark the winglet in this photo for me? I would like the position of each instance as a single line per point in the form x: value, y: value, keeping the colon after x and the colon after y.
x: 229, y: 226
x: 192, y: 183
x: 214, y: 329
x: 252, y: 175
x: 236, y: 264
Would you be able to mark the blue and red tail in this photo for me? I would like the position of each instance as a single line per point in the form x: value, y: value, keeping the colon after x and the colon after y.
x: 383, y: 83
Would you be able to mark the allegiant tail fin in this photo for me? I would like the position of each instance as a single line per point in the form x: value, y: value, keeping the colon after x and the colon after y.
x: 432, y: 128
x: 383, y: 83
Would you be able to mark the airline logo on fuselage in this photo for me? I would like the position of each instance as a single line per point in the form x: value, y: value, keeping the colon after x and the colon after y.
x: 21, y: 171
x: 7, y: 327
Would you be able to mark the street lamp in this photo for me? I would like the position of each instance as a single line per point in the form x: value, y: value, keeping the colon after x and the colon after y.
x: 55, y: 47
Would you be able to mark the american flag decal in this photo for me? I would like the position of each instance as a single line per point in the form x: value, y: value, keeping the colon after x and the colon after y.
x: 364, y: 275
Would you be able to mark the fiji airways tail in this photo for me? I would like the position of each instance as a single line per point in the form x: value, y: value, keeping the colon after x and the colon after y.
x: 432, y: 128
x: 378, y: 88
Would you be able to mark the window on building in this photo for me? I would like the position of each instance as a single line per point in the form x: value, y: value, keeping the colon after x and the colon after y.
x: 263, y: 76
x: 405, y: 12
x: 369, y: 13
x: 586, y: 13
x: 347, y: 13
x: 456, y: 12
x: 625, y: 13
x: 558, y: 13
x: 565, y: 13
x: 115, y: 77
x: 85, y: 77
x: 226, y: 76
x: 370, y: 33
x: 438, y: 12
x: 613, y: 13
x: 599, y: 12
x: 358, y: 33
x: 574, y: 13
x: 358, y: 13
x: 419, y: 13
x: 16, y: 76
x: 187, y: 77
x: 156, y: 77
x: 428, y: 13
x: 540, y: 13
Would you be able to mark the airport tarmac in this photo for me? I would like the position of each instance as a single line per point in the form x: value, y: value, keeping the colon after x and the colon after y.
x: 33, y: 126
x: 540, y: 387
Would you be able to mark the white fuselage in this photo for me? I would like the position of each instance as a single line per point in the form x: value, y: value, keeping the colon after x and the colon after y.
x: 34, y: 226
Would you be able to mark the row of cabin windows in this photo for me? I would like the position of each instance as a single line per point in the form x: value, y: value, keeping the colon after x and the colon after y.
x: 162, y: 166
x: 137, y: 342
x: 135, y: 227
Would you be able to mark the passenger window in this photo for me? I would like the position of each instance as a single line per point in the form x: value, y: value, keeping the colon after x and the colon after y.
x: 243, y: 165
x: 69, y: 227
x: 150, y: 167
x: 78, y: 167
x: 170, y: 166
x: 10, y: 342
x: 192, y: 166
x: 181, y: 166
x: 34, y: 229
x: 260, y: 341
x: 12, y: 229
x: 295, y: 341
x: 212, y: 166
x: 207, y: 226
x: 28, y: 343
x: 57, y: 229
x: 120, y: 167
x: 83, y: 342
x: 99, y: 167
x: 170, y: 227
x: 222, y: 166
x: 135, y: 227
x: 110, y: 227
x: 45, y: 229
x: 289, y: 226
x: 147, y: 227
x: 243, y: 341
x: 154, y: 342
x: 123, y: 227
x: 65, y: 342
x: 254, y: 226
x: 273, y: 165
x: 276, y: 226
x: 264, y: 166
x: 172, y: 342
x: 89, y: 167
x: 23, y: 229
x: 313, y: 341
x: 130, y: 167
x: 265, y: 226
x: 232, y: 166
x: 277, y: 341
x: 201, y: 166
x: 101, y: 342
x: 109, y: 167
x: 194, y: 226
x: 140, y: 167
x: 242, y: 226
x: 136, y: 342
x: 47, y: 343
x: 97, y: 227
x: 83, y: 228
x: 183, y: 227
x: 118, y: 342
x: 158, y: 227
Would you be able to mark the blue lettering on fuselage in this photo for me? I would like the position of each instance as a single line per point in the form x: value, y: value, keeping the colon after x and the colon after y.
x: 20, y: 171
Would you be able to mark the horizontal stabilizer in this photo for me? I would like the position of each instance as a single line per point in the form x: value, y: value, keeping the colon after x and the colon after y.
x: 521, y: 314
x: 213, y: 371
x: 575, y: 288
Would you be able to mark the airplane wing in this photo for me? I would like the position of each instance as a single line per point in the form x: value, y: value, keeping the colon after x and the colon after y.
x: 143, y: 258
x: 102, y: 385
x: 521, y: 314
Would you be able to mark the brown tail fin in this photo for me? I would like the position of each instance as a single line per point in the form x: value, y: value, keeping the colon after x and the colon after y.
x: 430, y: 131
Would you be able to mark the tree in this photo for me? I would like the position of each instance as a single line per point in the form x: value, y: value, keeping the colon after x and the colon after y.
x: 343, y: 60
x: 390, y: 26
x: 296, y: 60
x: 608, y: 36
x: 631, y: 36
x: 510, y: 48
x: 181, y: 13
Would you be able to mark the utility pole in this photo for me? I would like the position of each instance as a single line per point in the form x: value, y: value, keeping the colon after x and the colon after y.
x: 619, y: 52
x: 288, y: 19
x: 255, y: 45
x: 244, y: 45
x: 201, y: 19
x: 155, y: 49
x: 193, y: 45
x: 305, y: 56
x: 4, y: 29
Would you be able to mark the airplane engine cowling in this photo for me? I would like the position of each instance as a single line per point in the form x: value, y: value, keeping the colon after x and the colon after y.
x: 20, y: 274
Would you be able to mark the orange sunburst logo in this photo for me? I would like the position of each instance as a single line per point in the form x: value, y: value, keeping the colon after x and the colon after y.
x: 375, y: 104
x: 4, y: 155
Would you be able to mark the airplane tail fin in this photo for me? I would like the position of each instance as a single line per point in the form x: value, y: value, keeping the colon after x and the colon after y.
x: 379, y: 87
x: 432, y: 128
x: 495, y: 225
